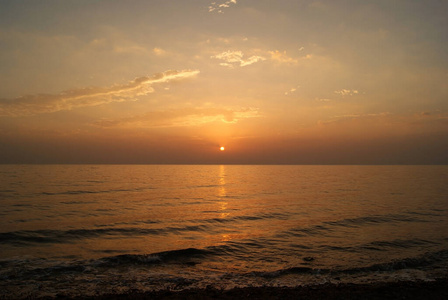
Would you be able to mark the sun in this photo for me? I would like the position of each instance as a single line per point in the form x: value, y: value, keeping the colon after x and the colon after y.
x: 222, y: 149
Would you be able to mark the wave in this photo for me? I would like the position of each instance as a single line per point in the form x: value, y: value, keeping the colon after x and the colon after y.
x: 264, y: 216
x: 59, y: 236
x: 184, y: 256
x: 80, y: 192
x: 192, y: 256
x: 189, y: 257
x: 356, y: 222
x: 329, y: 226
x: 426, y: 260
x: 381, y: 245
x: 27, y: 268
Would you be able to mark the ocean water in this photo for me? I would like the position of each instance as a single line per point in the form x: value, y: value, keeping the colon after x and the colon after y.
x: 94, y: 229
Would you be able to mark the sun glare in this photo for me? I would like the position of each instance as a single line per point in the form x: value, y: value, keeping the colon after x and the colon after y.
x: 222, y: 148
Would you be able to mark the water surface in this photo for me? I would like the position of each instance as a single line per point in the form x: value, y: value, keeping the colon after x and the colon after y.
x: 90, y: 229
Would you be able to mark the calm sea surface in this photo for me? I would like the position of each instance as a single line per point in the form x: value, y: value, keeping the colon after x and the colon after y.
x: 93, y: 229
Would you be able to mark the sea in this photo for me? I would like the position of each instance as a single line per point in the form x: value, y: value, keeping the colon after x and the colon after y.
x: 88, y: 230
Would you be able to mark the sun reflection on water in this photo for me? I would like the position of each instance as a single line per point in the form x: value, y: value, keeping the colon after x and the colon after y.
x: 222, y: 192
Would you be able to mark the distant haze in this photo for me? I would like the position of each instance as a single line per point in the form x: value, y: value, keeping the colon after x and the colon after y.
x: 274, y: 82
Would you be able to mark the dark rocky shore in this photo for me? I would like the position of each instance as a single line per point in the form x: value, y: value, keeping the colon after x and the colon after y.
x: 397, y: 290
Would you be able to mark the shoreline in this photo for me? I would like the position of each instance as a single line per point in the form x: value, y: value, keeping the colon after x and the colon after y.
x: 437, y: 289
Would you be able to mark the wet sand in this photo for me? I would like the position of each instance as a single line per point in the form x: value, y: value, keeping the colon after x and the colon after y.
x: 397, y: 290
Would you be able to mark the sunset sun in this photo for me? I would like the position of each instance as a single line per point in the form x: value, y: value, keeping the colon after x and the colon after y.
x: 222, y: 148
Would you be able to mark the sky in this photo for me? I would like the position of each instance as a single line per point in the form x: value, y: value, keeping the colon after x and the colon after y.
x: 272, y: 81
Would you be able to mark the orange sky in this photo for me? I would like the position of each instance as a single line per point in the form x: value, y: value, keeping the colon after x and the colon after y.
x: 300, y: 82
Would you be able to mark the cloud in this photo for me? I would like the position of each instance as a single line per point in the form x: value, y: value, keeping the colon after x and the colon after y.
x: 130, y: 49
x: 430, y: 117
x: 282, y: 57
x: 407, y: 122
x: 345, y: 92
x: 116, y: 44
x: 181, y: 117
x: 235, y: 58
x: 67, y: 100
x: 158, y: 51
x: 352, y: 117
x: 218, y: 7
x: 292, y: 90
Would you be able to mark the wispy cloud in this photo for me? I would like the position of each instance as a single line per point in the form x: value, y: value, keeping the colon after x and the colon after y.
x: 352, y: 117
x: 67, y: 100
x: 116, y: 45
x: 190, y: 116
x: 292, y: 90
x: 219, y: 7
x: 346, y: 92
x: 282, y: 57
x: 409, y: 122
x: 235, y: 58
x: 158, y: 51
x: 431, y: 117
